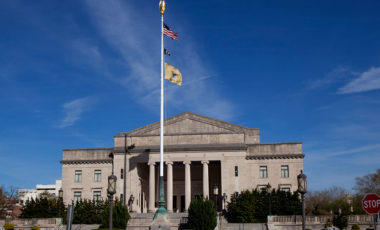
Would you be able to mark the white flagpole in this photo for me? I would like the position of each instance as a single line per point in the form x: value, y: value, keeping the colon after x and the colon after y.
x: 162, y: 101
x: 161, y: 203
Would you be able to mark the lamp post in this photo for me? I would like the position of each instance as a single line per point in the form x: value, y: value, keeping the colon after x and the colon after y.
x: 302, y: 188
x: 270, y: 200
x: 215, y: 191
x: 60, y: 199
x: 111, y: 191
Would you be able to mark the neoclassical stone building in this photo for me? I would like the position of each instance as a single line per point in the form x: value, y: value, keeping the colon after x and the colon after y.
x: 200, y: 153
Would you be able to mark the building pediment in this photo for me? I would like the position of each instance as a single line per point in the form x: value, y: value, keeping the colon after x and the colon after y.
x: 191, y: 123
x: 189, y: 129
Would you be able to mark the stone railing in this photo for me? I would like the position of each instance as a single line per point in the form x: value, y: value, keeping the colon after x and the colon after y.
x: 46, y: 223
x: 365, y: 219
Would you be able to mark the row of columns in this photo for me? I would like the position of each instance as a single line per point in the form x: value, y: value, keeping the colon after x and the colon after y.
x: 169, y: 185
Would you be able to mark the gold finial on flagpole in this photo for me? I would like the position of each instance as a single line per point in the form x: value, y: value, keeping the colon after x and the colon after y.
x: 162, y: 6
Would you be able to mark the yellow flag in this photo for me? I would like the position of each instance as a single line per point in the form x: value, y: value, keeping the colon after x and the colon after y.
x: 172, y: 74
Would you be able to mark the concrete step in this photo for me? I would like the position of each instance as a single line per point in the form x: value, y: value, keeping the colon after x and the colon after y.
x: 142, y: 221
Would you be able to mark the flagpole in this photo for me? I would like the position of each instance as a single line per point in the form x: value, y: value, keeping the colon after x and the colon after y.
x: 161, y: 211
x: 162, y: 105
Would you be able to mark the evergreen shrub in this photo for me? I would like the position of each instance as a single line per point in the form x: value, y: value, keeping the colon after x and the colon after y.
x: 340, y: 221
x: 120, y: 215
x: 35, y: 227
x: 355, y: 227
x: 254, y: 206
x: 202, y: 214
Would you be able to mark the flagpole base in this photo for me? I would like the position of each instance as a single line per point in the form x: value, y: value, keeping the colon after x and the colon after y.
x: 160, y: 219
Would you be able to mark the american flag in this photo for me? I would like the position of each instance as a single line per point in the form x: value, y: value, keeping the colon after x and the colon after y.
x: 168, y: 32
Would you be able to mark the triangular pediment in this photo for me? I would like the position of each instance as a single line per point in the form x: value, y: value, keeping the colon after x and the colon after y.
x: 189, y: 123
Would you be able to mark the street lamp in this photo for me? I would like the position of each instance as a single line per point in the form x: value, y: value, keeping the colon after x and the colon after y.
x: 111, y: 191
x: 215, y: 192
x: 302, y: 188
x: 60, y: 193
x: 269, y: 195
x: 60, y: 202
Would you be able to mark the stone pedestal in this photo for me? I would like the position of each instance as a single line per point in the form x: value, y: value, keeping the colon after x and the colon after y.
x: 160, y: 222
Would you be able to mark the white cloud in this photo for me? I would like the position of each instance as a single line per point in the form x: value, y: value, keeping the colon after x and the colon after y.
x: 74, y: 110
x: 331, y: 78
x: 367, y: 81
x: 136, y: 36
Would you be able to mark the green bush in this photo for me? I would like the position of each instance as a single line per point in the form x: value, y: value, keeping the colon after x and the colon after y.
x: 202, y: 214
x: 120, y: 215
x: 9, y: 226
x: 254, y: 206
x: 355, y: 227
x: 35, y: 227
x: 340, y: 221
x: 329, y: 224
x: 88, y: 212
x: 43, y: 208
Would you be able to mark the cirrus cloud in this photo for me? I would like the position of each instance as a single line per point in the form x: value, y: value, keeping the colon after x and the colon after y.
x: 367, y: 81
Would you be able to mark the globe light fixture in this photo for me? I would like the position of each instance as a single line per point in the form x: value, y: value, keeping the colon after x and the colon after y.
x: 302, y: 185
x: 60, y: 193
x: 111, y: 185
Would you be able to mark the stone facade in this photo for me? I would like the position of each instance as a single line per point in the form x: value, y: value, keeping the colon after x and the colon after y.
x: 200, y: 153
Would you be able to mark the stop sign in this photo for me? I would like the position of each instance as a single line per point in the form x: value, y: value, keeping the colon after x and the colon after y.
x: 371, y: 203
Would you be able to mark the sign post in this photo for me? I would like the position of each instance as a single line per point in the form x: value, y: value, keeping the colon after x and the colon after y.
x: 371, y: 205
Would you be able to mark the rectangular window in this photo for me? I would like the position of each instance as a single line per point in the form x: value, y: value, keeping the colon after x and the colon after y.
x: 285, y: 189
x: 263, y: 172
x: 236, y: 171
x: 97, y: 196
x: 284, y: 171
x: 98, y: 175
x: 78, y: 175
x: 122, y: 198
x: 77, y: 196
x: 121, y: 173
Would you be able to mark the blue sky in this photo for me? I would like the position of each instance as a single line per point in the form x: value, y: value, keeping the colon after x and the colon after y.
x: 75, y: 73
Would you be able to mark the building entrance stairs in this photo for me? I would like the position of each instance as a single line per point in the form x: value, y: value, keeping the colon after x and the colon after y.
x: 142, y: 221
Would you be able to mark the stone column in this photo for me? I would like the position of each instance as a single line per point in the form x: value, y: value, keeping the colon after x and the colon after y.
x: 151, y: 187
x: 187, y: 184
x: 169, y: 188
x: 205, y: 179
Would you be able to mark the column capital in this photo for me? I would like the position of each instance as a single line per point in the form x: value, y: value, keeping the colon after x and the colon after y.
x: 187, y: 162
x: 151, y: 163
x: 205, y: 162
x: 169, y: 162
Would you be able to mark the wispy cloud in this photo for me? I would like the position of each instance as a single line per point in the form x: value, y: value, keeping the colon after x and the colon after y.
x: 74, y: 110
x: 338, y: 74
x: 136, y: 37
x: 367, y: 81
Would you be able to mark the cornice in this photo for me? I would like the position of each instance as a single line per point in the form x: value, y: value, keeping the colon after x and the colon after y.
x: 99, y: 161
x: 277, y: 156
x: 184, y: 148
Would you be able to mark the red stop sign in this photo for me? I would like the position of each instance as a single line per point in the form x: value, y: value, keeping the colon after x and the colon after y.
x: 371, y: 203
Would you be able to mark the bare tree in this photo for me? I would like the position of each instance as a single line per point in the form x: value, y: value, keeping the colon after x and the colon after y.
x: 8, y: 199
x: 369, y: 183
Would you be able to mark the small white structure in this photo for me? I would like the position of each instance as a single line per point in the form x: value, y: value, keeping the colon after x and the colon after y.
x: 28, y: 194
